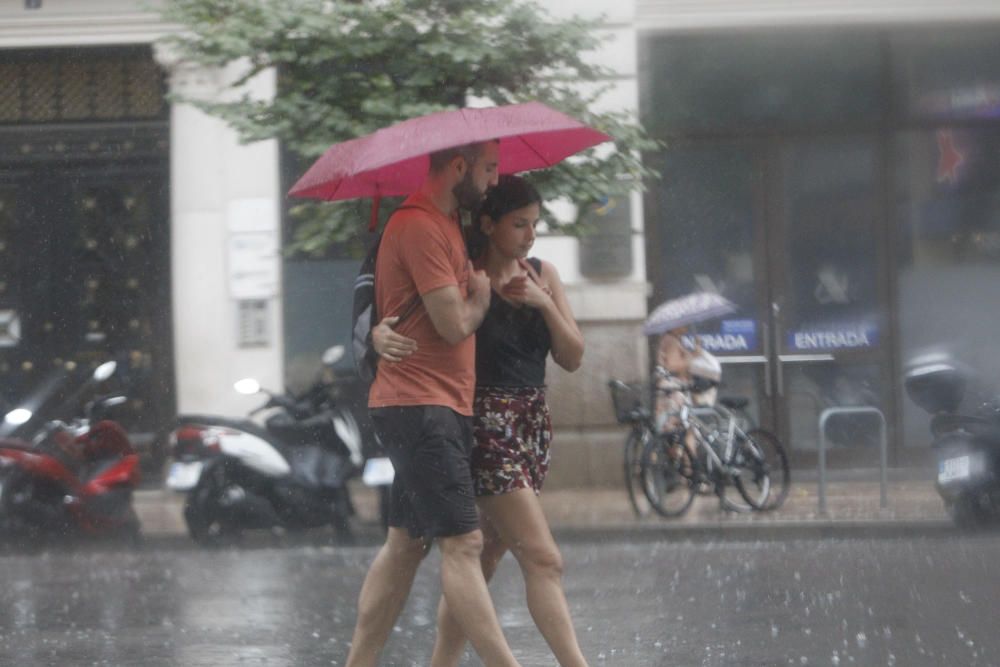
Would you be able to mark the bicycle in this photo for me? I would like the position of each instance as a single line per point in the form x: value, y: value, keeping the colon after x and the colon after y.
x: 713, y: 450
x: 630, y: 408
x: 663, y: 475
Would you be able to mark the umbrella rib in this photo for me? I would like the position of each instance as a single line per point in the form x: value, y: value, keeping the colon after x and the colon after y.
x: 532, y: 149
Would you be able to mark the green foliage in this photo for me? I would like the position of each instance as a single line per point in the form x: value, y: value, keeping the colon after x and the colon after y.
x: 347, y: 68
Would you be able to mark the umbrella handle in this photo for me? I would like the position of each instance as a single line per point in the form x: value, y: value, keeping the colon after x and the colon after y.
x: 373, y: 222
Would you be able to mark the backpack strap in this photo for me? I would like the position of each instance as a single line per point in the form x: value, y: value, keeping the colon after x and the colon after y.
x: 414, y: 303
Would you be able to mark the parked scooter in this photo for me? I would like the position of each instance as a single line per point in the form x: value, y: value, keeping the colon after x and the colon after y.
x: 967, y: 445
x: 70, y: 478
x: 290, y: 474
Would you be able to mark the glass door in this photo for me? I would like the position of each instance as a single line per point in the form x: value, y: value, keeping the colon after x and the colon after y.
x: 827, y: 286
x: 706, y: 231
x: 790, y: 230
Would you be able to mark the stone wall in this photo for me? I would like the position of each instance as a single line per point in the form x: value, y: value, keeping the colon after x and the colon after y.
x: 587, y: 445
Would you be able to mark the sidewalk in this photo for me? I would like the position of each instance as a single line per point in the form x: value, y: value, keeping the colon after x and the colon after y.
x: 914, y: 508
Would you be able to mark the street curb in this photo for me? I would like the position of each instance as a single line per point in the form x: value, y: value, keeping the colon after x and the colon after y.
x: 759, y: 531
x: 371, y: 536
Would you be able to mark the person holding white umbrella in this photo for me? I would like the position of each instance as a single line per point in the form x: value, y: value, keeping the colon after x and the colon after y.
x: 672, y: 321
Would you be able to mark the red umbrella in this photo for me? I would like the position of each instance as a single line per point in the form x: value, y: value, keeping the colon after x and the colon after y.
x: 393, y: 160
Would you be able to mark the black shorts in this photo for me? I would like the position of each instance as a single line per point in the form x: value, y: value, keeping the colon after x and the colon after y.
x: 429, y: 447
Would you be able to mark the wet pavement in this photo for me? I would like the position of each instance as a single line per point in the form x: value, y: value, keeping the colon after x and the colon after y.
x: 903, y: 601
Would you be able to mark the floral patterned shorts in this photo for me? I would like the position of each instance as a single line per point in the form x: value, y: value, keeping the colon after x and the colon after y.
x: 512, y: 429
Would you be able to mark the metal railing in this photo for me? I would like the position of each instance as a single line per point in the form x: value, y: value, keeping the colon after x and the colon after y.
x: 824, y: 417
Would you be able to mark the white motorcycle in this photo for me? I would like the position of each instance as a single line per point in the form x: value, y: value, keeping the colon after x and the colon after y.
x: 291, y: 473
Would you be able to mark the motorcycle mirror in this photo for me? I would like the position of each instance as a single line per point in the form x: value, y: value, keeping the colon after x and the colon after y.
x: 114, y: 400
x: 333, y: 354
x: 105, y: 370
x: 247, y: 386
x: 18, y: 416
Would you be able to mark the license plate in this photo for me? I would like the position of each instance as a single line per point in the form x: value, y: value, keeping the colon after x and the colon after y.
x: 378, y: 472
x: 183, y: 476
x: 951, y: 470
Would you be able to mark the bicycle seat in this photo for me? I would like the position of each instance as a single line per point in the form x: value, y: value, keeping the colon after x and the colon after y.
x: 734, y: 402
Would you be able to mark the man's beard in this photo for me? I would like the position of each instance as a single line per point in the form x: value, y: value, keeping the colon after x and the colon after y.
x: 467, y: 194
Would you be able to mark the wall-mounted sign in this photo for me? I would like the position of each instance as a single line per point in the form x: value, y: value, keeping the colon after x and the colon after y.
x: 252, y: 323
x: 253, y: 214
x: 254, y: 265
x: 606, y: 248
x: 844, y: 337
x: 733, y: 337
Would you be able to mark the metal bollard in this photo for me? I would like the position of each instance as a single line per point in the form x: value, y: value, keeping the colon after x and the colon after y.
x: 824, y: 417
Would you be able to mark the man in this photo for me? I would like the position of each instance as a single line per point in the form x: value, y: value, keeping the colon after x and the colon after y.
x: 421, y: 409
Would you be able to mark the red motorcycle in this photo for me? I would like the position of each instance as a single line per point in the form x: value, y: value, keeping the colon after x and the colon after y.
x: 74, y: 478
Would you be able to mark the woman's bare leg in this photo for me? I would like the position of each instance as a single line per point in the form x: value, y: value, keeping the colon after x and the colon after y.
x: 518, y: 520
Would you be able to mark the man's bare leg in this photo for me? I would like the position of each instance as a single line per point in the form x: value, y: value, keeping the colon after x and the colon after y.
x: 383, y: 595
x: 518, y: 519
x: 465, y: 591
x: 449, y: 645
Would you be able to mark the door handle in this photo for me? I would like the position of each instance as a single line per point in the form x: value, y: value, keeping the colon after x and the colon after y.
x: 805, y: 358
x: 766, y: 336
x: 797, y: 359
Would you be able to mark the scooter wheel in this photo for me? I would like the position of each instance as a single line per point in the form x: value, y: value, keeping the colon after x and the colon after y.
x: 201, y: 513
x: 967, y: 512
x: 13, y: 528
x: 206, y: 529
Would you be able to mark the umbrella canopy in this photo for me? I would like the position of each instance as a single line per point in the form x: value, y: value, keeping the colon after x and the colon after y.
x: 394, y: 160
x: 685, y: 310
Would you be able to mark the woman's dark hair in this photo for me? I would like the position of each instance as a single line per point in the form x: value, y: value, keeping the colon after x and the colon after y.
x: 510, y: 194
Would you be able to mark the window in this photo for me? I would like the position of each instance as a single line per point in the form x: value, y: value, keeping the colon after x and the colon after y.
x: 734, y: 82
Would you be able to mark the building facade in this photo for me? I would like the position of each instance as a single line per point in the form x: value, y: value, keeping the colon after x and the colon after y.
x: 143, y: 230
x: 833, y: 168
x: 134, y: 228
x: 830, y: 166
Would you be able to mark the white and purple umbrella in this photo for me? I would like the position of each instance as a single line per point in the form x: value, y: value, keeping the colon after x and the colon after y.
x: 686, y: 310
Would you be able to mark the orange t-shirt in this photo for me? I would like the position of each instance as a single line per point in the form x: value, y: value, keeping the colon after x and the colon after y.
x: 422, y: 250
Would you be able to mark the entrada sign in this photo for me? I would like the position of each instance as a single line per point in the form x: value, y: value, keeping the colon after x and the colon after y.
x: 733, y: 336
x: 834, y: 338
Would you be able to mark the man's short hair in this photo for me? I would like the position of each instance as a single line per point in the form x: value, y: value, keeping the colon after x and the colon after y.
x: 471, y: 153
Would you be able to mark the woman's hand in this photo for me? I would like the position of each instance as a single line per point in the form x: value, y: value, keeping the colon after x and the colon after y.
x: 528, y: 289
x: 523, y: 290
x: 390, y: 345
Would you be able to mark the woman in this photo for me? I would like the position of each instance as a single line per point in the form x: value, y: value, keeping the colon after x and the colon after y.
x: 528, y: 318
x: 674, y: 357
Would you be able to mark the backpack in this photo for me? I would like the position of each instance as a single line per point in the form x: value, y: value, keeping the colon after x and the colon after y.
x: 365, y: 313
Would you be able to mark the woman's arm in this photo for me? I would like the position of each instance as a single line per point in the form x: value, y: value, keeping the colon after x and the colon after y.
x: 549, y: 297
x: 390, y: 345
x: 567, y: 340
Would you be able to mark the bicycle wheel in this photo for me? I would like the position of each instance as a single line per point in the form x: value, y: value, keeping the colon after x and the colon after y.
x: 666, y: 477
x: 634, y: 446
x: 711, y: 480
x: 763, y: 466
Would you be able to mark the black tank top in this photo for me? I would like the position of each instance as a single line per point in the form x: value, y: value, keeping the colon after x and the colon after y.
x: 512, y: 344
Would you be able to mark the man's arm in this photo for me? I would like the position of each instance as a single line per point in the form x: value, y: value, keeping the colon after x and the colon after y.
x: 455, y: 318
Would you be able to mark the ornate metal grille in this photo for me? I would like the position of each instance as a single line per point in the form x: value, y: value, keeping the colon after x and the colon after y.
x: 74, y: 85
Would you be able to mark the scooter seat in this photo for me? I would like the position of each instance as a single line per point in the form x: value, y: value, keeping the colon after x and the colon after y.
x: 238, y: 424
